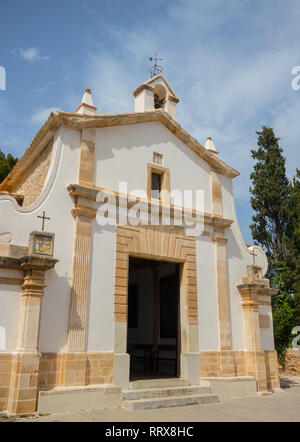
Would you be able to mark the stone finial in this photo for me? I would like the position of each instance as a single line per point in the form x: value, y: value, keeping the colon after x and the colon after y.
x: 210, y: 146
x: 87, y: 106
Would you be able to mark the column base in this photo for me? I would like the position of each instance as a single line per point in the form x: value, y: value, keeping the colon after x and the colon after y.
x: 190, y: 367
x: 23, y: 390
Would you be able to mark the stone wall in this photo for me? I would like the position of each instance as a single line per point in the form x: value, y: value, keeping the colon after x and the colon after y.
x: 292, y: 362
x: 222, y: 363
x: 75, y: 369
x: 241, y: 363
x: 32, y: 181
x: 5, y: 371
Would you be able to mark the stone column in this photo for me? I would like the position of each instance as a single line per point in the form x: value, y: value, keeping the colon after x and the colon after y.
x: 255, y: 356
x: 25, y: 365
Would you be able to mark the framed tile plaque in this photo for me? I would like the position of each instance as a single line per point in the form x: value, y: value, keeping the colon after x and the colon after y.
x: 41, y: 244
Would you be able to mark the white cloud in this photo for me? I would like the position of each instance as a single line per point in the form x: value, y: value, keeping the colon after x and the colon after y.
x: 41, y: 115
x: 32, y: 54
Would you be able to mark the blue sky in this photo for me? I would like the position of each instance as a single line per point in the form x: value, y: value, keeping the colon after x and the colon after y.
x: 229, y: 61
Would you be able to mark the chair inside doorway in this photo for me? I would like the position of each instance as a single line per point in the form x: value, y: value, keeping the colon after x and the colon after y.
x: 153, y: 338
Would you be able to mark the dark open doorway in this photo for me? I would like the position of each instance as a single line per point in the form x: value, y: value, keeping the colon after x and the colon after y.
x: 153, y: 339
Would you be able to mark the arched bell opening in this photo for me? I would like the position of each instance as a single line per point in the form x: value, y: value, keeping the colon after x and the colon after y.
x: 160, y: 95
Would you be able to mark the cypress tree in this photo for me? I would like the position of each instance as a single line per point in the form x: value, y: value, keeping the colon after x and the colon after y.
x: 273, y: 228
x: 270, y: 192
x: 294, y: 241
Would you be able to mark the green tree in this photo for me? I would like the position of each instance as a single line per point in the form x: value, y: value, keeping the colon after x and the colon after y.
x: 7, y: 163
x: 275, y: 201
x: 283, y: 309
x: 270, y: 192
x: 294, y: 240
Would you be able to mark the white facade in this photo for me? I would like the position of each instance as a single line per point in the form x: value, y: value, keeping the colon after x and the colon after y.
x: 122, y: 150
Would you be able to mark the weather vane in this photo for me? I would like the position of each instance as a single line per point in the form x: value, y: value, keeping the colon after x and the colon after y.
x: 156, y: 69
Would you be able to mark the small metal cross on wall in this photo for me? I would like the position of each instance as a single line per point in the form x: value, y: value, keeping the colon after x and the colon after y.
x: 44, y: 218
x: 254, y: 255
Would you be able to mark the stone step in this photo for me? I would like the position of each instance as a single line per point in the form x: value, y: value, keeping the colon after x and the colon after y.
x: 166, y: 402
x: 158, y: 383
x: 148, y: 393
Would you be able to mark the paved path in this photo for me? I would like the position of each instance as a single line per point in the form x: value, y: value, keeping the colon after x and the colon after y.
x: 283, y: 406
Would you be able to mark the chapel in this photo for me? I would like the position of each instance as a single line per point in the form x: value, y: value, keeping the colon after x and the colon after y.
x: 111, y: 294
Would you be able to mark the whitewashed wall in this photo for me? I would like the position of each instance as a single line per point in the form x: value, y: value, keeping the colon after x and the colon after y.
x: 57, y: 203
x: 208, y: 315
x: 122, y: 154
x: 267, y: 334
x: 10, y: 304
x: 100, y: 315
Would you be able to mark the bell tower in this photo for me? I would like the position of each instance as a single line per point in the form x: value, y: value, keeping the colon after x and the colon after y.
x: 154, y: 94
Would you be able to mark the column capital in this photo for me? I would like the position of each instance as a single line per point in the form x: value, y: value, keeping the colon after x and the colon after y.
x: 219, y: 237
x: 84, y: 211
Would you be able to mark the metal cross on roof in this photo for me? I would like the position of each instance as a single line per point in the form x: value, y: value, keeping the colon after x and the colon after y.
x: 156, y: 69
x: 44, y: 218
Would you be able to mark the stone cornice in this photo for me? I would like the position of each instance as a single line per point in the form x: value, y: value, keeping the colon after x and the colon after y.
x: 251, y: 291
x: 141, y: 88
x: 27, y: 263
x: 79, y: 122
x: 90, y: 193
x: 250, y: 287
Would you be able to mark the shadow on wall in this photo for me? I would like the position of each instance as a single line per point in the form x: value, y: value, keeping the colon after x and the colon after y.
x: 97, y: 230
x: 233, y: 246
x: 55, y: 312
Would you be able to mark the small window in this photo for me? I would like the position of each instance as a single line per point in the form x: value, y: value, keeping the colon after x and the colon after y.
x: 155, y: 186
x: 157, y: 158
x: 158, y: 183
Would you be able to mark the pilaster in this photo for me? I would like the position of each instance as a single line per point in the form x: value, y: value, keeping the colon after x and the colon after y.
x: 80, y: 278
x: 223, y: 290
x: 87, y: 157
x: 219, y: 237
